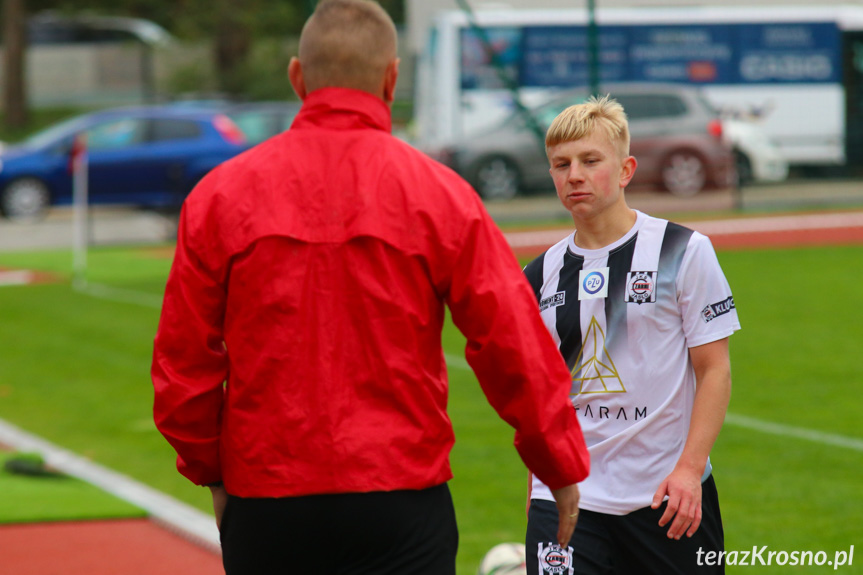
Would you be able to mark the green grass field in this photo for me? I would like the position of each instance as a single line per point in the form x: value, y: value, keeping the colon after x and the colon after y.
x: 74, y: 369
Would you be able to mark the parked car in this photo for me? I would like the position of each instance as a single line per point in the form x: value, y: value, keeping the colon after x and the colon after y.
x: 257, y: 120
x: 146, y: 156
x: 757, y: 157
x: 262, y: 120
x: 675, y: 135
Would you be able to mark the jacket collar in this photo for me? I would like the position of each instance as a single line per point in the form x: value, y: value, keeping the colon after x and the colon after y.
x: 343, y: 109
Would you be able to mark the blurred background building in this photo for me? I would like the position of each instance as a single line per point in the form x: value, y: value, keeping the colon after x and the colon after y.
x: 786, y: 75
x: 92, y: 60
x: 419, y: 13
x: 792, y: 68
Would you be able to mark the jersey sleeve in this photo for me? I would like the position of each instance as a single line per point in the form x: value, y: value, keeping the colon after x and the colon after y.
x: 514, y: 357
x: 704, y: 296
x: 533, y: 272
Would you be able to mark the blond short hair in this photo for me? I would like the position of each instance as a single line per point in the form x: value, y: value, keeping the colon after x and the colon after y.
x: 347, y: 44
x: 581, y: 120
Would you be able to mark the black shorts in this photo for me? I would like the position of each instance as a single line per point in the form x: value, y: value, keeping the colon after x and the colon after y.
x: 632, y: 544
x: 381, y: 533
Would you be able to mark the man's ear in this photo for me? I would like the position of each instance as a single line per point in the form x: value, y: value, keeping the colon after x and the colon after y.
x: 627, y: 170
x: 295, y: 74
x: 390, y: 79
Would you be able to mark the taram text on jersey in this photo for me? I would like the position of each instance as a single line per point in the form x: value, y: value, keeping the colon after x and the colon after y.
x: 594, y: 411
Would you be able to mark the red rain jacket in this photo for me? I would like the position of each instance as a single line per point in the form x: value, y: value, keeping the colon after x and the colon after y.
x: 299, y: 347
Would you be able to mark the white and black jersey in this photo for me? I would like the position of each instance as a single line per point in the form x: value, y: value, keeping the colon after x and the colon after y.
x: 624, y: 318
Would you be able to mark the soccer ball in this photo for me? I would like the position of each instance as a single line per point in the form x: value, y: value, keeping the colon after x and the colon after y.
x: 504, y: 559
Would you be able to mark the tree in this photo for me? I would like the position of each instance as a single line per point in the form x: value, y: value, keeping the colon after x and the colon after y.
x: 232, y: 40
x: 14, y: 44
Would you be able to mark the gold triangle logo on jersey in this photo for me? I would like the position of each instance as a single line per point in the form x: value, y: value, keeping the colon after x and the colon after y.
x: 596, y: 374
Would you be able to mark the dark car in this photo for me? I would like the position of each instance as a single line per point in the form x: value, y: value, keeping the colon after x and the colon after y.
x: 675, y: 135
x: 145, y: 156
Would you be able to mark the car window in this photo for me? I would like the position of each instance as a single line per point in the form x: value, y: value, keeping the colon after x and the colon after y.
x: 675, y: 106
x: 257, y: 126
x: 702, y: 99
x: 115, y: 134
x: 53, y: 133
x: 650, y: 106
x: 547, y: 113
x: 287, y: 119
x: 164, y: 129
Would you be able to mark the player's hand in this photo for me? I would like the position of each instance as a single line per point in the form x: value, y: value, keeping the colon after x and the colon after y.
x: 566, y: 499
x: 220, y: 500
x: 683, y: 488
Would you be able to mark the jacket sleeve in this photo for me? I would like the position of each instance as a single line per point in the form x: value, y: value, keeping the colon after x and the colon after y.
x: 190, y: 363
x: 514, y: 357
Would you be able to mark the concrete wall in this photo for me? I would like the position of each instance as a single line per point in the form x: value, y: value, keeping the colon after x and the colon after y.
x: 84, y: 74
x: 98, y: 75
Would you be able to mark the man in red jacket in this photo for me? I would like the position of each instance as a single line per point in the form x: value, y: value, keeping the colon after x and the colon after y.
x: 298, y: 368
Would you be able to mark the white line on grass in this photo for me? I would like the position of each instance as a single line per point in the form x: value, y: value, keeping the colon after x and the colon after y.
x: 795, y: 432
x: 187, y: 520
x: 15, y: 277
x: 120, y: 295
x: 456, y: 361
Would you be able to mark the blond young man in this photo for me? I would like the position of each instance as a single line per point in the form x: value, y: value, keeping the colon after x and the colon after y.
x: 298, y: 368
x: 642, y: 313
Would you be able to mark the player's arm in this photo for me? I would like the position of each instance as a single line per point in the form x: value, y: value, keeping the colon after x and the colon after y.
x: 513, y: 356
x: 190, y: 362
x: 220, y: 501
x: 683, y: 486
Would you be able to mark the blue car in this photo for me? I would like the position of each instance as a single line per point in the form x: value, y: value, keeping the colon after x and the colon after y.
x: 262, y: 120
x: 147, y: 156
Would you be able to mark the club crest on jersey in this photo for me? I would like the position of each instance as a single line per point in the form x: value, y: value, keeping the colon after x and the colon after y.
x: 554, y: 559
x: 641, y: 287
x: 593, y: 284
x: 552, y: 301
x: 714, y: 310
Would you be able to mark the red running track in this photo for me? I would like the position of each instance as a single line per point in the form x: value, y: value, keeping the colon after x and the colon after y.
x: 842, y: 228
x: 115, y: 547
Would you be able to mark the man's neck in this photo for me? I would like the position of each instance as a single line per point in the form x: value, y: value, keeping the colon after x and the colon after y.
x: 605, y: 229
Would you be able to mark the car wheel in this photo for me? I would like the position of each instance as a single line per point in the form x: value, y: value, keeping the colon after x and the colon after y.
x: 684, y: 174
x: 25, y: 199
x: 744, y: 168
x: 496, y: 179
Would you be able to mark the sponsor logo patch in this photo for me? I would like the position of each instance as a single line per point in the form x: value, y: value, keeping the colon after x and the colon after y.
x: 593, y: 284
x: 714, y: 310
x: 554, y: 559
x: 594, y: 370
x: 641, y: 287
x: 553, y: 301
